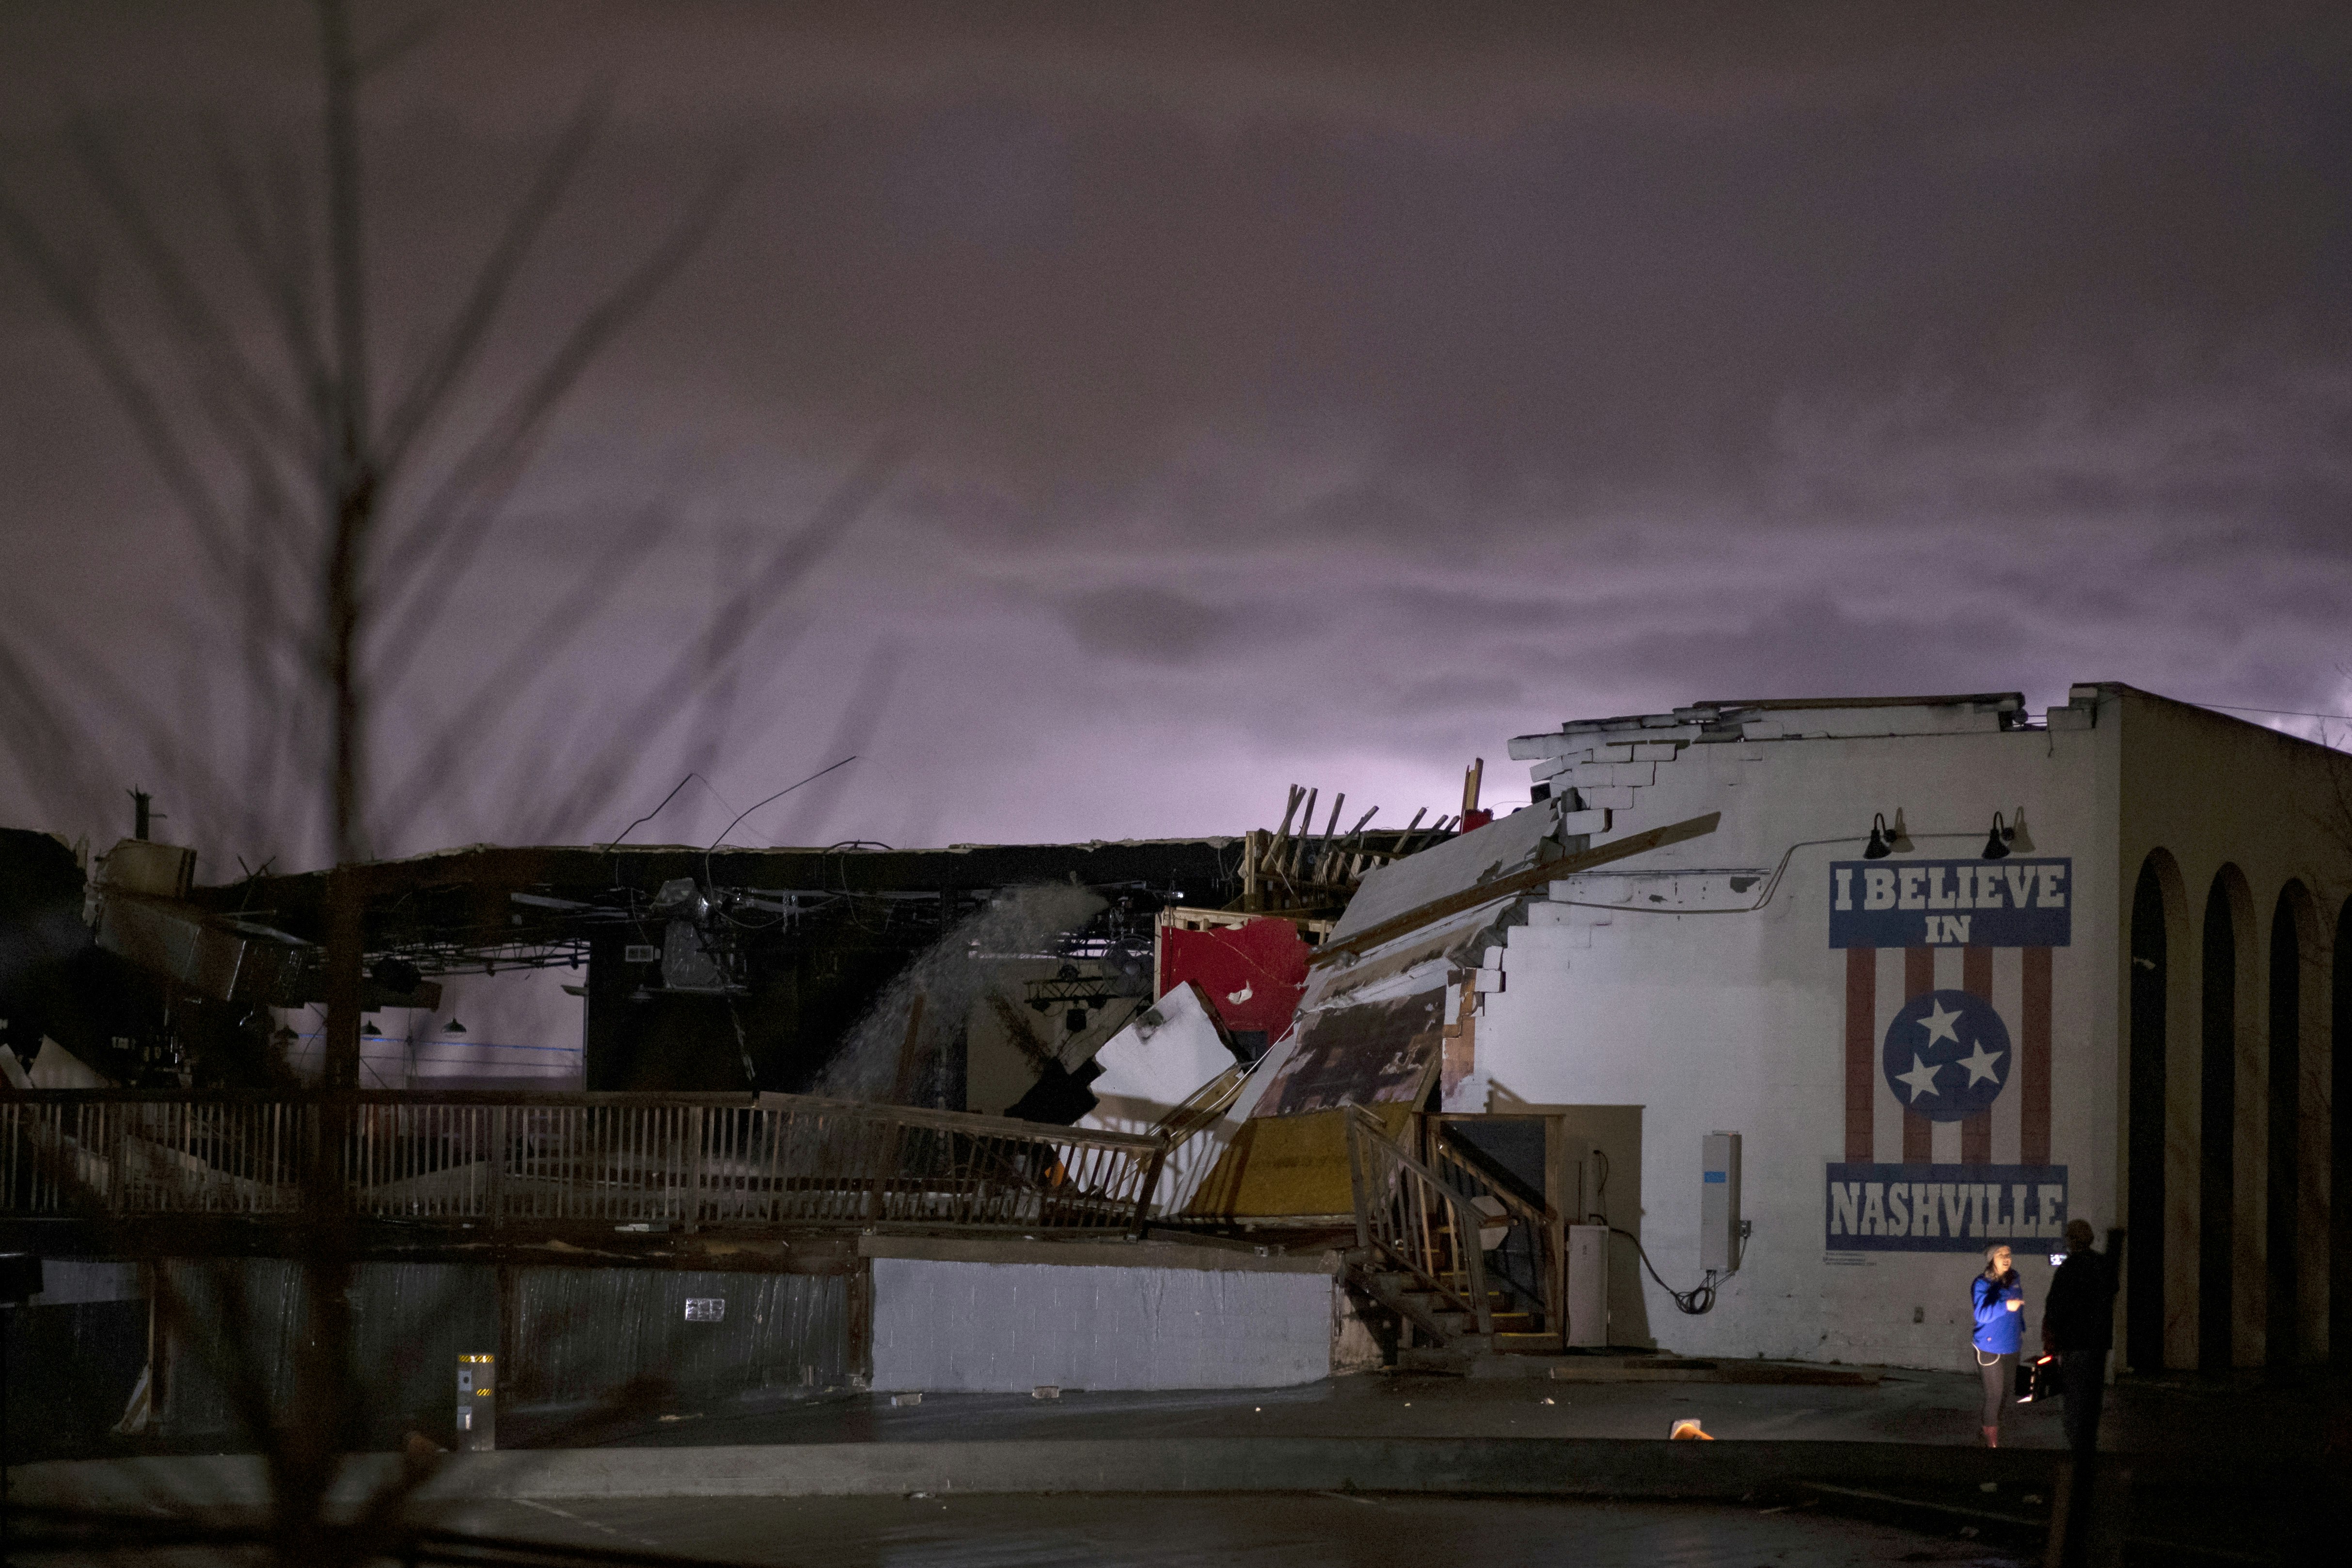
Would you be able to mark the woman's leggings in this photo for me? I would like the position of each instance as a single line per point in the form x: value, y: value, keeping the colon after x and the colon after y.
x: 1998, y: 1376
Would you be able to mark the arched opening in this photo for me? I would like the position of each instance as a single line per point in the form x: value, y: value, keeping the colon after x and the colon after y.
x: 2283, y: 1192
x: 2339, y: 1140
x: 2143, y: 1194
x: 2217, y: 1127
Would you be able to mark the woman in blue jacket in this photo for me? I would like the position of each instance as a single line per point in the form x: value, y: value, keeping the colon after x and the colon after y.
x: 2000, y: 1330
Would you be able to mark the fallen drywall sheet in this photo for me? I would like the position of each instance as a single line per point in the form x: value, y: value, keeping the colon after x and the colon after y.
x: 1160, y: 1062
x: 1151, y: 1068
x: 986, y: 1328
x: 1378, y: 1053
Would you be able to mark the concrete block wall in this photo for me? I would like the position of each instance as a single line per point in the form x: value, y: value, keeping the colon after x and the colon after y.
x: 988, y: 1317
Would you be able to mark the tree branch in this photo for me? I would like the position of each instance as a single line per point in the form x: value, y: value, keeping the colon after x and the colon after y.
x: 449, y: 527
x: 131, y: 392
x: 210, y: 346
x: 427, y: 396
x: 281, y: 268
x: 531, y: 655
x: 761, y: 595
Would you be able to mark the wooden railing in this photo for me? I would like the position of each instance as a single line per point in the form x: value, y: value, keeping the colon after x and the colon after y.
x: 1528, y: 1260
x: 655, y: 1160
x: 1408, y: 1218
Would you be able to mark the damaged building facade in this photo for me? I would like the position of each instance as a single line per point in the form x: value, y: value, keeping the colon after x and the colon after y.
x: 1744, y: 1038
x: 1888, y: 981
x: 700, y: 1228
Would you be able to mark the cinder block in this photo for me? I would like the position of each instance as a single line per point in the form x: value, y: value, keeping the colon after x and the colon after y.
x: 1490, y: 980
x: 1654, y: 751
x: 1615, y: 751
x: 1542, y: 949
x: 1609, y: 797
x: 1592, y: 821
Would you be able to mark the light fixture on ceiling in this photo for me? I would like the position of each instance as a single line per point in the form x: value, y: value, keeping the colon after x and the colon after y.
x: 453, y: 1026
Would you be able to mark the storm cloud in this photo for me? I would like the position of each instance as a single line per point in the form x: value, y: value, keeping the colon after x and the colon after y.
x: 1319, y: 393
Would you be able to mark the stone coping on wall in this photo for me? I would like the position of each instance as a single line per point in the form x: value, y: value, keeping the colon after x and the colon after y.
x: 1240, y: 1257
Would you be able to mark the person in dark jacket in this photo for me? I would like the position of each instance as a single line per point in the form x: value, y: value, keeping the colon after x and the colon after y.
x: 1999, y: 1303
x: 2078, y: 1324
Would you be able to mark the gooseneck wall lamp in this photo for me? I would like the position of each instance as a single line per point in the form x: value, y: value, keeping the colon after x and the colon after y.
x: 1886, y: 840
x: 1877, y: 848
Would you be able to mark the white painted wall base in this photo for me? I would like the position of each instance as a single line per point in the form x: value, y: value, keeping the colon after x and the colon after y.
x: 1001, y: 1328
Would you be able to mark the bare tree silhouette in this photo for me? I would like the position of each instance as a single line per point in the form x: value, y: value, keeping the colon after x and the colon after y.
x: 327, y: 505
x: 331, y: 505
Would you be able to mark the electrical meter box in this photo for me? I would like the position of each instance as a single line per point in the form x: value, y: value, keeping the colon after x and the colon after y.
x: 1588, y: 1285
x: 1718, y: 1203
x: 478, y: 1406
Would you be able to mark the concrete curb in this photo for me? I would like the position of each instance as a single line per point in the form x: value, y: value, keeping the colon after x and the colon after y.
x: 1513, y: 1467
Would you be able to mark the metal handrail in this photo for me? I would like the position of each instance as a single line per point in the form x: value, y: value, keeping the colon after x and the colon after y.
x: 1406, y: 1213
x: 466, y: 1158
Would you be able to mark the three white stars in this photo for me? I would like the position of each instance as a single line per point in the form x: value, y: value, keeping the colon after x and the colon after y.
x: 1942, y: 1025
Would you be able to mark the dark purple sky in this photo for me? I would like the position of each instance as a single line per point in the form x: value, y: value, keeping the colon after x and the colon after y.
x: 1288, y: 392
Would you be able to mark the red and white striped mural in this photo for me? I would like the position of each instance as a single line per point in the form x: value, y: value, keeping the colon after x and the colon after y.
x: 1947, y: 1154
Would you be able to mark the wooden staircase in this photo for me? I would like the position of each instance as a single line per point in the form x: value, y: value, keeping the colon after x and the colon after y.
x: 1466, y: 1268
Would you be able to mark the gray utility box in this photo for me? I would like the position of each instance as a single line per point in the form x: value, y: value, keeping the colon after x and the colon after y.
x: 1588, y: 1285
x: 1718, y: 1203
x: 477, y: 1403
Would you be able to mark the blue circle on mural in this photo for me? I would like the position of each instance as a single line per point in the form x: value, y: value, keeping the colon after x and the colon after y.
x: 1947, y: 1055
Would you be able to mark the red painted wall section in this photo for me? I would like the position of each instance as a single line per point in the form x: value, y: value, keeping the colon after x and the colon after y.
x: 1253, y: 974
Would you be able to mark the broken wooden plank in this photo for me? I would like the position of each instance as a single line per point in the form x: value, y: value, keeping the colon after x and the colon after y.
x: 1516, y: 883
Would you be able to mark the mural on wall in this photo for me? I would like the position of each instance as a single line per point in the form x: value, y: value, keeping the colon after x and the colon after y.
x: 1948, y: 1056
x: 1951, y: 903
